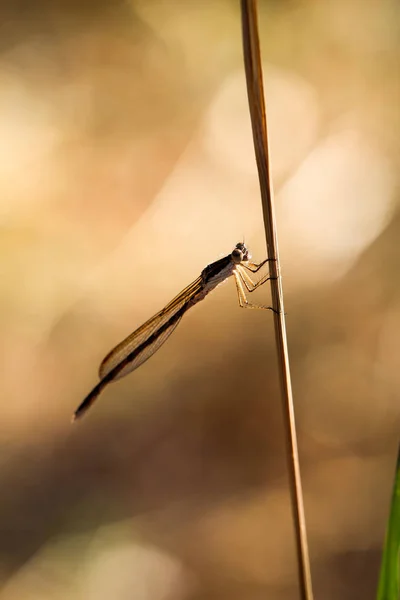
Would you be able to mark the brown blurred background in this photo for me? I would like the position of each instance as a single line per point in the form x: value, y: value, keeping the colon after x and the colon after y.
x: 126, y: 165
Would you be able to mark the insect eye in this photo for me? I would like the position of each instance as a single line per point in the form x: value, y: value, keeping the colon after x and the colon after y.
x: 237, y: 255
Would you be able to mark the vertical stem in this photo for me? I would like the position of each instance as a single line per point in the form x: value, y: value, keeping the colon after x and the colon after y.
x: 255, y: 91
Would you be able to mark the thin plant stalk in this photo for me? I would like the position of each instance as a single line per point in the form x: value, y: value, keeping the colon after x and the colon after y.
x: 255, y: 91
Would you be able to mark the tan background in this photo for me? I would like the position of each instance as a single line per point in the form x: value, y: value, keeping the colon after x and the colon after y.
x: 126, y: 165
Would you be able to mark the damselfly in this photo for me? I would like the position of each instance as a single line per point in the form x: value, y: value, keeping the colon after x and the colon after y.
x: 147, y: 339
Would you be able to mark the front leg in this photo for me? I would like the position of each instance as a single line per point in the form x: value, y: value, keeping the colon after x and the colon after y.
x: 254, y: 267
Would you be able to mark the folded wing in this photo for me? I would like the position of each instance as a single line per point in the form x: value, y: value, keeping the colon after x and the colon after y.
x: 148, y: 338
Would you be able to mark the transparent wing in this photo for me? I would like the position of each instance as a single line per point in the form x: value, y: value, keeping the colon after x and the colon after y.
x: 148, y: 350
x: 148, y: 332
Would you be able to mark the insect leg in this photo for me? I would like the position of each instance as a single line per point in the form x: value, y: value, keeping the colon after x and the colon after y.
x: 243, y: 302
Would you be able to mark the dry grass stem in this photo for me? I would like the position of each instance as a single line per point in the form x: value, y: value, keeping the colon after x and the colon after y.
x: 253, y: 69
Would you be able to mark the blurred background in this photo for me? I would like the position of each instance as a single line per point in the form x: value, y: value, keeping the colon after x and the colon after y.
x: 126, y: 166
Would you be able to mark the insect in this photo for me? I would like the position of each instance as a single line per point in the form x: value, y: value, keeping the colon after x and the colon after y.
x: 140, y: 345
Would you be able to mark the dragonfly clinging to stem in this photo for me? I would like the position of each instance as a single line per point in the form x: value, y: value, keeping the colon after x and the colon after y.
x: 140, y: 345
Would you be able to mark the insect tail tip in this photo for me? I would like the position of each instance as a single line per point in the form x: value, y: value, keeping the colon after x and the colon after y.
x: 74, y: 417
